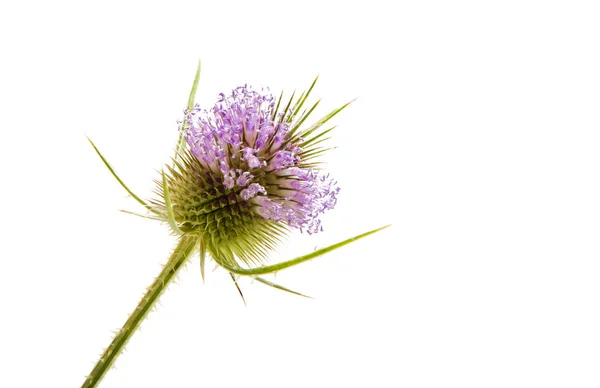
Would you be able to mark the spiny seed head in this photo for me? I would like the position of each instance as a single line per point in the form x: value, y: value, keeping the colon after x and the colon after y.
x: 247, y: 175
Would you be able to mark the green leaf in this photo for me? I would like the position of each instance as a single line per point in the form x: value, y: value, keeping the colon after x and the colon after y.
x: 277, y: 286
x: 141, y: 215
x: 307, y: 142
x: 277, y: 107
x: 294, y: 110
x: 114, y: 174
x: 322, y: 121
x: 285, y: 111
x: 314, y: 146
x: 303, y: 98
x: 192, y: 97
x: 302, y: 119
x: 287, y: 264
x: 170, y: 215
x: 190, y: 105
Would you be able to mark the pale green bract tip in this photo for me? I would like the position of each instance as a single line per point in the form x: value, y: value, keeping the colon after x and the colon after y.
x: 190, y: 105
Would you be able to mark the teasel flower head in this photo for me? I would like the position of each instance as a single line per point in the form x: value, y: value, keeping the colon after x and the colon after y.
x: 247, y: 174
x: 244, y: 174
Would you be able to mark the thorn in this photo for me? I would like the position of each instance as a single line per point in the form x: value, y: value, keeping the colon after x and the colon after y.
x: 238, y: 288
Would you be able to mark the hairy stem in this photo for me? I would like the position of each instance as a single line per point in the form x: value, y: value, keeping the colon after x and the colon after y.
x: 183, y: 250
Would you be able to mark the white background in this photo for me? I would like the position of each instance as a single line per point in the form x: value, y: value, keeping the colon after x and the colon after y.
x: 475, y: 134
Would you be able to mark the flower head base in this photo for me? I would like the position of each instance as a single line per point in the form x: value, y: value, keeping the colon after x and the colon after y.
x: 248, y: 174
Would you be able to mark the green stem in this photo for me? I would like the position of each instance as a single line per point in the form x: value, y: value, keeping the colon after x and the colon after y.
x: 183, y: 250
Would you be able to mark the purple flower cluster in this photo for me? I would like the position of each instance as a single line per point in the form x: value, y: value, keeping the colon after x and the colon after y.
x: 251, y: 150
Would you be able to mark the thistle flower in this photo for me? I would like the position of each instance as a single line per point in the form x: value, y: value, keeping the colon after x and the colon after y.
x: 244, y: 174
